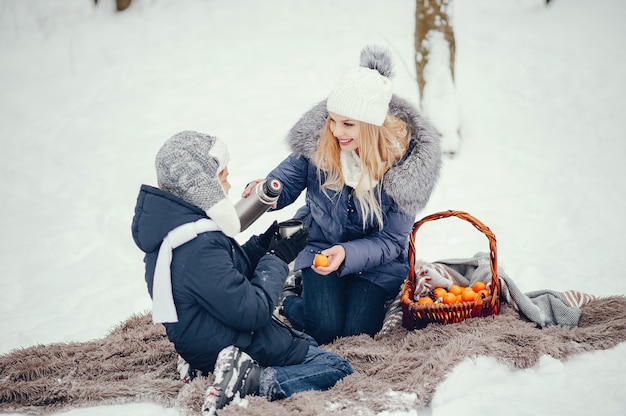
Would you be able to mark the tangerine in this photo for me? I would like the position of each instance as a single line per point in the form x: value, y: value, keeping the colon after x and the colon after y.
x: 455, y: 289
x: 468, y: 295
x: 426, y: 300
x: 320, y: 260
x: 485, y: 293
x: 439, y: 292
x: 449, y: 298
x: 478, y: 286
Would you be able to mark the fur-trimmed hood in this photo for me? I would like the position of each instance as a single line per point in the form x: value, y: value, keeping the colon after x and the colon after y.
x: 410, y: 181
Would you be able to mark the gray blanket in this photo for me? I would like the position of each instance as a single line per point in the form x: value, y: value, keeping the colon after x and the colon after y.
x: 543, y: 307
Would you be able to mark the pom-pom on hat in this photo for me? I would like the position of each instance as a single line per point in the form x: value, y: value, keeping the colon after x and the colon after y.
x: 363, y: 93
x: 187, y: 166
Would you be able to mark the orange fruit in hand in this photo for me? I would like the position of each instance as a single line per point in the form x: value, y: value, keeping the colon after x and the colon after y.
x: 426, y: 300
x: 320, y: 260
x: 468, y: 295
x: 455, y: 289
x: 449, y: 298
x: 478, y: 286
x: 439, y: 292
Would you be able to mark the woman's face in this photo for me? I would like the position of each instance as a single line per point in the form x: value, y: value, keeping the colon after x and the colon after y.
x: 345, y: 130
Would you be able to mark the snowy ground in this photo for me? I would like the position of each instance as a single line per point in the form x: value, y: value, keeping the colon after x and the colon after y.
x: 89, y: 95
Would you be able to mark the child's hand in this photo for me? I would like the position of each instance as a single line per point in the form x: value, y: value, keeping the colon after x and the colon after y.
x: 336, y: 255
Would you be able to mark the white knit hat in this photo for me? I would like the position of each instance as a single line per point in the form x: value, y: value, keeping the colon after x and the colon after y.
x: 187, y: 166
x: 364, y: 93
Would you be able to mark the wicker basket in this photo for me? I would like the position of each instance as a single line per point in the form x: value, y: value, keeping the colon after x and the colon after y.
x: 418, y: 316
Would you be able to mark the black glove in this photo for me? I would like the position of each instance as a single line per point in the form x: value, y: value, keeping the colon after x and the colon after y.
x: 266, y: 238
x: 288, y: 248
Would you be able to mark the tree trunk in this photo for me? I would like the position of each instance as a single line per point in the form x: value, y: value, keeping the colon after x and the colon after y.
x: 431, y: 15
x: 121, y: 4
x: 435, y: 50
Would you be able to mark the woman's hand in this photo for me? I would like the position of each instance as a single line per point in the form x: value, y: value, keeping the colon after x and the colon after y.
x: 250, y: 187
x: 336, y: 255
x: 246, y: 192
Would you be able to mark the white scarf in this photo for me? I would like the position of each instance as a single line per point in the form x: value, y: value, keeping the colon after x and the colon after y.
x: 350, y: 164
x: 163, y: 308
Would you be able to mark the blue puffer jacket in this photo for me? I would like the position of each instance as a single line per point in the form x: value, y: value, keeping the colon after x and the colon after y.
x: 375, y: 255
x: 224, y: 293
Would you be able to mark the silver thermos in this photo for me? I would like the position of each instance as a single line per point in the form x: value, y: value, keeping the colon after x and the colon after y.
x: 258, y: 202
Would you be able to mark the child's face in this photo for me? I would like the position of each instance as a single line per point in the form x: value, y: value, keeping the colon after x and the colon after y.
x: 346, y: 131
x: 223, y: 177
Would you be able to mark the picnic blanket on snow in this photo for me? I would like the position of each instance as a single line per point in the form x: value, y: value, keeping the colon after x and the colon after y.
x: 543, y: 307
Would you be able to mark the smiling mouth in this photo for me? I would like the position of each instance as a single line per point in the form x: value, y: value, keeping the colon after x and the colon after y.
x: 344, y: 142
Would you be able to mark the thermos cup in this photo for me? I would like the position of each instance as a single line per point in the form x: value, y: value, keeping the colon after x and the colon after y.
x: 289, y: 227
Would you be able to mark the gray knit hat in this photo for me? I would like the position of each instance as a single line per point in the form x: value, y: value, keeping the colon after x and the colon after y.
x: 363, y: 93
x: 187, y: 166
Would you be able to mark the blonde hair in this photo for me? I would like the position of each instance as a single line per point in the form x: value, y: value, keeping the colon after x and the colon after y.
x: 379, y: 148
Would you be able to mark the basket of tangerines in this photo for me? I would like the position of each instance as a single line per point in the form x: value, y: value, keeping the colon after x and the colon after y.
x: 455, y: 303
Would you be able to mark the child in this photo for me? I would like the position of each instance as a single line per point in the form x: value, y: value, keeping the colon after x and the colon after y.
x: 215, y: 297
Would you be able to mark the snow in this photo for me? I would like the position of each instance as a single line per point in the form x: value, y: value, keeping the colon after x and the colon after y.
x: 89, y: 95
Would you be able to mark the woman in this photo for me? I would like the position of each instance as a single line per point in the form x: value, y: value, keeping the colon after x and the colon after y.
x: 368, y: 161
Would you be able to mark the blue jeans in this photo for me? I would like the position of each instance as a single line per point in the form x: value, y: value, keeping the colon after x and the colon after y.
x: 334, y: 306
x: 320, y: 370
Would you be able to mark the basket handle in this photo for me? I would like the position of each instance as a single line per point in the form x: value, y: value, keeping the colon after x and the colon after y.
x: 493, y: 256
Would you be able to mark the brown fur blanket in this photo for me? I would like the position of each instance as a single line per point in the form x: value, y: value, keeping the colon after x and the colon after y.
x: 136, y: 363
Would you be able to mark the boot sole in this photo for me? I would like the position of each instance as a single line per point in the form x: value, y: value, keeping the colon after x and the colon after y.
x: 232, y: 370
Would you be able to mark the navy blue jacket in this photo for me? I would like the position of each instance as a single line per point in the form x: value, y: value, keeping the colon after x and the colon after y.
x: 224, y: 293
x: 379, y: 256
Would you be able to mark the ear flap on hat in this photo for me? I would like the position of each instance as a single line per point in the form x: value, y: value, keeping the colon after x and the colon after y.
x: 220, y: 152
x: 224, y: 214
